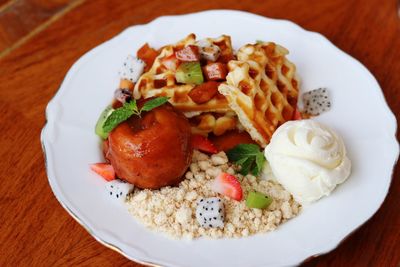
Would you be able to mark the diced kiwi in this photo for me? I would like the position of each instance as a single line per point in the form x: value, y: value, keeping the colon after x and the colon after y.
x: 258, y: 200
x: 100, y: 122
x: 190, y: 73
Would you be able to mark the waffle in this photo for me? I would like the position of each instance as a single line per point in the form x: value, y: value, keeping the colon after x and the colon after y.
x: 262, y: 88
x: 178, y: 93
x: 216, y: 123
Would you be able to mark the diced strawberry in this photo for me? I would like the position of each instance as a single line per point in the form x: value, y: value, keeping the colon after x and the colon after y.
x: 148, y: 55
x: 160, y: 83
x: 228, y: 185
x: 297, y: 115
x: 203, y: 144
x: 104, y: 170
x: 215, y: 71
x: 171, y: 62
x: 204, y: 92
x: 188, y: 53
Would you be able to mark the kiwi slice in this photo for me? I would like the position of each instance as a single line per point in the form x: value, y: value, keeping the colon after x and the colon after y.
x: 189, y: 72
x: 100, y: 122
x: 258, y: 200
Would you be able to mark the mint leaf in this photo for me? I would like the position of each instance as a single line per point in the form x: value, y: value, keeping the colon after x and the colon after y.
x: 131, y: 105
x: 249, y: 157
x: 119, y: 115
x: 260, y: 160
x: 242, y: 150
x: 241, y: 161
x: 246, y: 166
x: 156, y: 102
x: 127, y: 110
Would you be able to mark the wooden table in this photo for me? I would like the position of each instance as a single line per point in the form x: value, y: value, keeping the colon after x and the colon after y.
x: 36, y: 231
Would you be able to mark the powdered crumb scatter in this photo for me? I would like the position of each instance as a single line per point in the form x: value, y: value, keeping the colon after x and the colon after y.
x: 171, y: 210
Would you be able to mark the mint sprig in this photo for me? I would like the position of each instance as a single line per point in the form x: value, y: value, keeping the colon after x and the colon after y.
x: 249, y: 157
x: 128, y: 109
x: 156, y: 102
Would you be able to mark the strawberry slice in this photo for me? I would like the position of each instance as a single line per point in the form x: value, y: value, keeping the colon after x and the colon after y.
x: 228, y: 185
x: 297, y: 115
x: 203, y: 144
x: 104, y: 170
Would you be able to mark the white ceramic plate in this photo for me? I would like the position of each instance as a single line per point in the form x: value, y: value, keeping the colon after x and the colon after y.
x: 359, y: 113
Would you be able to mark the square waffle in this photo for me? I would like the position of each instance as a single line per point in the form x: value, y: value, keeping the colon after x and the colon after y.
x: 262, y: 88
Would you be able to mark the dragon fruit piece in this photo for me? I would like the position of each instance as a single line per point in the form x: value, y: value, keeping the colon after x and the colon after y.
x: 208, y: 50
x: 131, y: 69
x: 316, y: 101
x: 122, y: 95
x: 118, y: 190
x: 210, y: 212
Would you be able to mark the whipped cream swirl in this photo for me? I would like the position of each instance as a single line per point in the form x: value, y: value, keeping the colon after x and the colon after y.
x: 308, y: 159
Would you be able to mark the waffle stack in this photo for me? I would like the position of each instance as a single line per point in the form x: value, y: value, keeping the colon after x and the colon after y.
x: 260, y: 93
x: 262, y: 89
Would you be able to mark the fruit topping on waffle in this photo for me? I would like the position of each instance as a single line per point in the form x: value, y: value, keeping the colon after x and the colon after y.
x: 177, y: 71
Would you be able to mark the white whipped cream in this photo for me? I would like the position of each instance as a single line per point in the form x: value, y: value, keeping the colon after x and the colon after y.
x: 308, y: 159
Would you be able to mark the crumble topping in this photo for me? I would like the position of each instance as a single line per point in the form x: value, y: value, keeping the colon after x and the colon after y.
x: 171, y: 210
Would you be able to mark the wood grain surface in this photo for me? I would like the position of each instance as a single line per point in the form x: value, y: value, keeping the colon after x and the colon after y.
x: 22, y: 19
x: 36, y: 231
